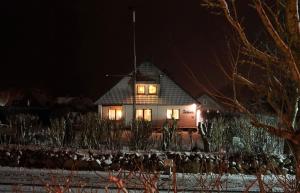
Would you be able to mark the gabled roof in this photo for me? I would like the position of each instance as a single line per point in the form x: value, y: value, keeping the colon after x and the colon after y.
x: 170, y: 93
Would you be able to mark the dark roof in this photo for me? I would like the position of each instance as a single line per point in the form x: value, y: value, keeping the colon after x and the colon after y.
x: 170, y: 92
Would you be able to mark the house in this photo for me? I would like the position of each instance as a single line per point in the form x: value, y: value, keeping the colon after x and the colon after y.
x: 158, y: 98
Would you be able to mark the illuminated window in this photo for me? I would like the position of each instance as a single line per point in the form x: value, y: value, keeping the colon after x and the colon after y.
x: 140, y: 89
x: 147, y: 114
x: 172, y: 113
x: 169, y: 114
x: 114, y: 114
x: 118, y: 114
x: 176, y: 113
x: 152, y: 89
x: 139, y: 114
x: 144, y: 114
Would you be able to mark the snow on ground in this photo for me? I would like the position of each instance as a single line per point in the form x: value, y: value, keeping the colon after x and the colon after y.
x: 13, y: 177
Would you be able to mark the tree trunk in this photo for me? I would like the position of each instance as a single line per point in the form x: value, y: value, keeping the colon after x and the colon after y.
x: 296, y: 152
x: 206, y: 144
x: 286, y: 147
x: 205, y: 133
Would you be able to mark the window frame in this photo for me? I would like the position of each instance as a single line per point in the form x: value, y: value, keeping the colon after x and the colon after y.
x: 121, y: 117
x: 172, y: 114
x: 143, y: 118
x: 150, y: 114
x: 136, y: 114
x: 112, y: 112
x: 154, y: 85
x: 115, y: 114
x: 137, y: 89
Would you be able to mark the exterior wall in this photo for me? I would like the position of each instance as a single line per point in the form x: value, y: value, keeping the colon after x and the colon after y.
x: 187, y: 114
x: 100, y: 111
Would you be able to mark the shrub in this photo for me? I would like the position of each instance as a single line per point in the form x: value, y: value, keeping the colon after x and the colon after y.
x: 141, y: 132
x: 169, y: 131
x: 236, y: 134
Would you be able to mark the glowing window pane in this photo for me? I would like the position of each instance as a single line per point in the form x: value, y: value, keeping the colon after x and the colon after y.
x: 118, y: 114
x: 175, y: 114
x: 152, y: 89
x: 147, y: 114
x: 140, y: 89
x: 111, y: 114
x: 139, y: 114
x: 169, y: 114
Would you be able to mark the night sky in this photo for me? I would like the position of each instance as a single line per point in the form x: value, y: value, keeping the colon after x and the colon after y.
x: 67, y: 46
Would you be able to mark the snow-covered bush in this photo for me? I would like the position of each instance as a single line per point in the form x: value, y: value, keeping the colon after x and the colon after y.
x: 96, y: 133
x: 140, y: 134
x: 89, y: 136
x: 236, y: 134
x: 25, y: 127
x: 56, y: 131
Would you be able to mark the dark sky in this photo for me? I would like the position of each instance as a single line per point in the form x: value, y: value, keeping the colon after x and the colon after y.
x: 67, y: 46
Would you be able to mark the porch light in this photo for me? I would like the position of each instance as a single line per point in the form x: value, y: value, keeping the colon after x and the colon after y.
x: 194, y: 106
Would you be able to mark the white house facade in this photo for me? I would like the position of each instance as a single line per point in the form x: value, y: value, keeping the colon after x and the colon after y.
x: 157, y: 97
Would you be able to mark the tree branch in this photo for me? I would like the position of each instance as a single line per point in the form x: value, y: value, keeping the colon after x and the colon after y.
x: 293, y: 21
x: 284, y: 48
x: 295, y: 112
x: 282, y: 133
x: 270, y: 29
x: 240, y: 31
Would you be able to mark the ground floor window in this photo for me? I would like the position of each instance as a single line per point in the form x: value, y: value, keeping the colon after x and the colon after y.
x: 144, y: 114
x: 115, y: 114
x: 172, y: 113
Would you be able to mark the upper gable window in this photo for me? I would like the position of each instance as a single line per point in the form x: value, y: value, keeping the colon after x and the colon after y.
x: 152, y: 89
x: 140, y: 89
x: 147, y: 89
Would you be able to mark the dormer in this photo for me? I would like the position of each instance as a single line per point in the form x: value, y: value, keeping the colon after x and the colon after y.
x: 147, y: 83
x: 147, y: 88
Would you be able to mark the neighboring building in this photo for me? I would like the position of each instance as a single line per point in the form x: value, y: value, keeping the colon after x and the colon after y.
x: 158, y: 98
x: 209, y: 104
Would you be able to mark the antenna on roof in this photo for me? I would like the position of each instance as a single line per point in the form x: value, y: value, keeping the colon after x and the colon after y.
x: 134, y: 68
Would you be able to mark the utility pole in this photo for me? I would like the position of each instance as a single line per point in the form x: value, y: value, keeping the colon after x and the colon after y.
x: 134, y: 70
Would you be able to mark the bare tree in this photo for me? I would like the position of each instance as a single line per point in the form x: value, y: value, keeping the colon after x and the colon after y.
x: 275, y: 60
